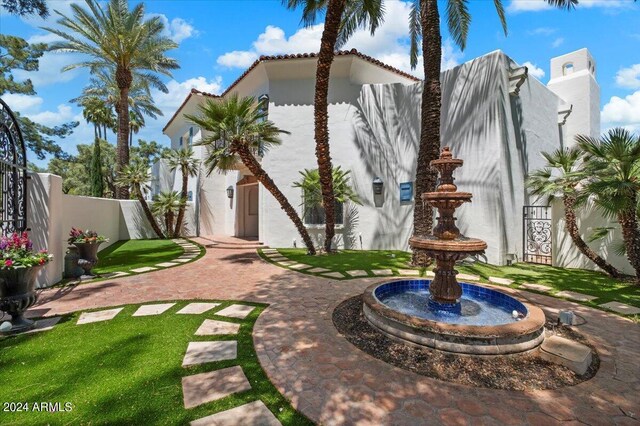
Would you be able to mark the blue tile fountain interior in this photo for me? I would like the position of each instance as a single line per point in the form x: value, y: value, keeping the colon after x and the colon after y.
x: 478, y: 305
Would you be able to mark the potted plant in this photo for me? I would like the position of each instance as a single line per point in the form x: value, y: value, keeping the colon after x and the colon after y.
x: 18, y: 268
x: 87, y: 242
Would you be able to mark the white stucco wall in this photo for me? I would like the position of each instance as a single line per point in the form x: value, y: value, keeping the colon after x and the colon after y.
x: 565, y: 253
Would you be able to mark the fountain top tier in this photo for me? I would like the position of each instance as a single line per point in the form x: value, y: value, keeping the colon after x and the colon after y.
x: 447, y: 245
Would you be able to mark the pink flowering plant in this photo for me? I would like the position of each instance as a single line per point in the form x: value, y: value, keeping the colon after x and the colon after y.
x: 77, y: 235
x: 17, y: 252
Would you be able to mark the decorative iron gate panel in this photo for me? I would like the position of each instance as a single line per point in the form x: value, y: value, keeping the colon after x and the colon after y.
x: 536, y: 236
x: 13, y: 174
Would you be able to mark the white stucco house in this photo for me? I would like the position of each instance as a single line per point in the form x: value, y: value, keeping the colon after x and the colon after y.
x: 495, y: 117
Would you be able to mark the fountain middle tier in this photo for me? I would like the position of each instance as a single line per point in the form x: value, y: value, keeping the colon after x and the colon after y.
x: 462, y: 245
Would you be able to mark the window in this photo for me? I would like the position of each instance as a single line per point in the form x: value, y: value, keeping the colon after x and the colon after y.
x: 314, y: 215
x: 190, y: 196
x: 567, y: 68
x: 180, y: 140
x: 190, y: 136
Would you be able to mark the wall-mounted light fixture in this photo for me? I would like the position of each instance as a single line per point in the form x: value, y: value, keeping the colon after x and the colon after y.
x: 377, y: 186
x: 230, y: 192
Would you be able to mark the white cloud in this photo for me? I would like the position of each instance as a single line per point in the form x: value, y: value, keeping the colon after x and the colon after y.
x: 629, y: 77
x: 237, y: 59
x: 557, y: 42
x: 389, y: 44
x: 22, y: 103
x: 622, y: 112
x: 534, y: 70
x: 177, y: 29
x: 63, y: 114
x: 537, y: 5
x: 179, y: 90
x: 544, y: 31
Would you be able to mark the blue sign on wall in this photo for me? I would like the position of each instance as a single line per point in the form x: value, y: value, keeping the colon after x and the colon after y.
x: 406, y: 191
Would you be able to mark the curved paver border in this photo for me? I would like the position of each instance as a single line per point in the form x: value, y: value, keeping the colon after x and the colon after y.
x: 331, y: 381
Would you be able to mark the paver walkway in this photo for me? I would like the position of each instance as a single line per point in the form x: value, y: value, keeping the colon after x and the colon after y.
x: 334, y: 383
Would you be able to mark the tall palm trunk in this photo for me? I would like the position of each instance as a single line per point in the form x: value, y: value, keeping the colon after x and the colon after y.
x: 147, y: 212
x: 571, y: 226
x: 631, y: 235
x: 123, y: 79
x: 335, y: 8
x: 183, y: 205
x: 430, y: 126
x: 254, y: 167
x: 168, y: 221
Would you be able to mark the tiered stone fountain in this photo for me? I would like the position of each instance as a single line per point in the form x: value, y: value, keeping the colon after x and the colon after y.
x: 443, y: 313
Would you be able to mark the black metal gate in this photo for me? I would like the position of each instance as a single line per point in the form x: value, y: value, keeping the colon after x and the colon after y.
x: 13, y: 174
x: 536, y: 227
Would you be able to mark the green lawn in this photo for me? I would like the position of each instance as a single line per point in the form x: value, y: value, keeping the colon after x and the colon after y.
x: 125, y: 371
x: 582, y: 281
x: 131, y: 254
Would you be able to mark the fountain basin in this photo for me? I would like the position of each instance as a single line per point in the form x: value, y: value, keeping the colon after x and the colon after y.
x: 482, y: 326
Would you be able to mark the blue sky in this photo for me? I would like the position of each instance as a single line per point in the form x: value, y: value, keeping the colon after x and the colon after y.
x: 219, y: 39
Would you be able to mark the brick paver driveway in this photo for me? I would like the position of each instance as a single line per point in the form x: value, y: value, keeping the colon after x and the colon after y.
x: 332, y: 382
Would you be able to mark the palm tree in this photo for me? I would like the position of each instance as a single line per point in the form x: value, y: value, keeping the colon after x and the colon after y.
x: 342, y: 19
x: 612, y: 163
x: 136, y: 122
x: 238, y: 127
x: 166, y: 205
x: 312, y: 189
x: 189, y: 166
x: 561, y: 177
x: 97, y: 112
x: 123, y: 42
x: 137, y: 177
x: 424, y: 25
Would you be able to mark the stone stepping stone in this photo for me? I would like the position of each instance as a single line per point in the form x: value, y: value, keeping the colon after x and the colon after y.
x: 412, y: 272
x: 201, y: 388
x: 253, y: 413
x: 358, y: 273
x: 467, y: 277
x: 538, y: 287
x: 201, y: 352
x: 431, y: 274
x: 183, y: 260
x: 318, y: 270
x: 106, y: 315
x: 572, y: 355
x: 213, y: 328
x: 143, y: 269
x: 197, y: 308
x: 269, y: 250
x: 288, y: 263
x: 279, y: 258
x: 155, y: 309
x: 333, y: 275
x: 576, y: 296
x: 500, y: 281
x: 114, y: 275
x: 166, y: 264
x: 621, y: 308
x: 186, y: 256
x: 382, y: 272
x: 44, y: 324
x: 299, y: 266
x: 236, y: 311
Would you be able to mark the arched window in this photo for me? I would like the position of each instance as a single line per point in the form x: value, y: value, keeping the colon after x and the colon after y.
x: 567, y: 68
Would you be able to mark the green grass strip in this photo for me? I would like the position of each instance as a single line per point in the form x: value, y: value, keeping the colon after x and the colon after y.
x: 126, y: 371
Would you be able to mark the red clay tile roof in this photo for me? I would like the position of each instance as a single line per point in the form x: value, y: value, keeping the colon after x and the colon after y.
x: 293, y: 56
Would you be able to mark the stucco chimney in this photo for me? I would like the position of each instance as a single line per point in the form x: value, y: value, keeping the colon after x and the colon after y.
x: 573, y: 79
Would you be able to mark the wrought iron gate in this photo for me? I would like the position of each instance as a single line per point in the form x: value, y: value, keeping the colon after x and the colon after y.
x: 536, y: 227
x: 13, y: 174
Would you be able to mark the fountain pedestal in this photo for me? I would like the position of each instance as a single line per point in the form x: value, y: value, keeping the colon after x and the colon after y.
x: 447, y: 245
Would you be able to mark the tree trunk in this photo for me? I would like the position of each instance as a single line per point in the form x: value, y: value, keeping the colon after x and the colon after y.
x: 123, y: 79
x: 631, y: 237
x: 572, y: 228
x: 183, y: 206
x: 254, y: 167
x: 168, y: 219
x: 335, y: 8
x: 430, y: 124
x: 147, y: 213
